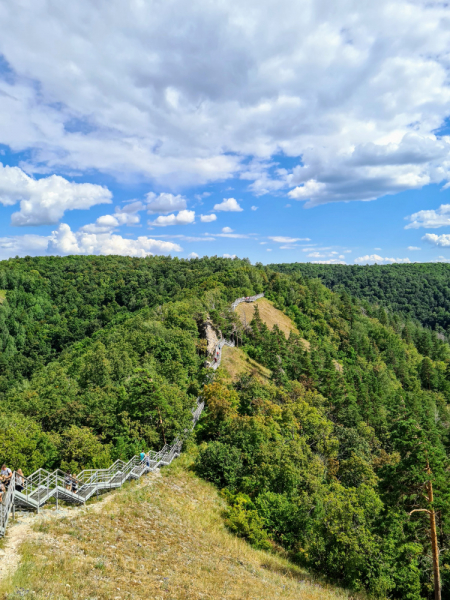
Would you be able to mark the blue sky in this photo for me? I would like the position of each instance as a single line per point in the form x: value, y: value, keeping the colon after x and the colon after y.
x: 278, y: 131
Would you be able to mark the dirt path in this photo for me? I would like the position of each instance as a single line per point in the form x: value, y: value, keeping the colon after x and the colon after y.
x: 23, y: 527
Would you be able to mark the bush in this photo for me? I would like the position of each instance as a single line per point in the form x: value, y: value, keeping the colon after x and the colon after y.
x: 219, y: 463
x: 243, y: 520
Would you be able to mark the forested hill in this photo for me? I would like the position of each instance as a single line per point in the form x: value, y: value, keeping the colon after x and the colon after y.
x: 101, y: 357
x: 420, y: 291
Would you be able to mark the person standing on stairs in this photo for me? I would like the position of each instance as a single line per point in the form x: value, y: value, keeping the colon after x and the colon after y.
x: 6, y: 475
x: 20, y: 480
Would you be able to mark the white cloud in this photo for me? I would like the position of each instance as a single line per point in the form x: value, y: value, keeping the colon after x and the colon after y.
x: 269, y: 249
x: 22, y: 245
x: 237, y: 236
x: 208, y: 218
x: 369, y: 258
x: 431, y: 219
x: 184, y: 217
x: 378, y: 249
x: 165, y: 203
x: 228, y: 205
x: 280, y: 239
x: 64, y: 241
x: 123, y: 216
x: 413, y: 248
x: 227, y: 230
x: 397, y: 260
x: 332, y: 261
x: 437, y: 240
x: 44, y: 201
x: 254, y: 207
x: 375, y: 258
x: 186, y: 238
x: 193, y: 255
x: 356, y: 92
x: 229, y: 255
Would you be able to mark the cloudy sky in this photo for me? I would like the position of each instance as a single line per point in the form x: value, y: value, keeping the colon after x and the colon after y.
x: 279, y: 130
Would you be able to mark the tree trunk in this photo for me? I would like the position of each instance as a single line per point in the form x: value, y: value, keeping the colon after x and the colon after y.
x: 434, y: 545
x: 162, y: 427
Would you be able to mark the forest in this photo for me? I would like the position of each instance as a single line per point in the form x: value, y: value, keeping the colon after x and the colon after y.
x: 419, y: 291
x: 101, y: 357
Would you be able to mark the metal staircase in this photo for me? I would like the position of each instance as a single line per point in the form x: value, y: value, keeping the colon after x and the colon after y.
x: 42, y: 485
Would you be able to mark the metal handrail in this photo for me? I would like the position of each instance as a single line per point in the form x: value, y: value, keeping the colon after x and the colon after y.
x: 42, y: 485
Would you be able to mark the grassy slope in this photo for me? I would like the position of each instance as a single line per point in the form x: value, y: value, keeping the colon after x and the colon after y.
x: 161, y: 538
x: 2, y: 296
x: 268, y: 313
x: 237, y: 363
x: 234, y: 360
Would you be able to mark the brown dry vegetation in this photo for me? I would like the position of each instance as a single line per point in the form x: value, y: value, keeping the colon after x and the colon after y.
x: 162, y: 538
x: 269, y: 314
x: 237, y: 363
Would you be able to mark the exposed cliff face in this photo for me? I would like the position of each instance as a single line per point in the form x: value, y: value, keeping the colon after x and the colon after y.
x: 208, y: 332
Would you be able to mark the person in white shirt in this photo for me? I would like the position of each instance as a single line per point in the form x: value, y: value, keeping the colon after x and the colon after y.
x: 6, y: 475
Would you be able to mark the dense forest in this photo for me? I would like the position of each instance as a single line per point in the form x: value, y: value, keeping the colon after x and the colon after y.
x: 103, y: 356
x: 420, y: 291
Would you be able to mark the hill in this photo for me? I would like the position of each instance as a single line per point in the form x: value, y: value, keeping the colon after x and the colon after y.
x: 164, y: 538
x: 418, y: 291
x: 269, y: 315
x: 101, y: 357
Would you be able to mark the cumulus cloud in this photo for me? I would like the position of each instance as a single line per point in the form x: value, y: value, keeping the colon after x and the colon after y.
x: 431, y: 219
x: 437, y: 240
x: 44, y: 201
x: 128, y: 215
x: 357, y: 93
x: 254, y: 207
x: 228, y: 205
x: 413, y: 248
x: 375, y: 258
x: 227, y: 230
x: 193, y: 255
x: 64, y: 241
x: 229, y: 256
x: 165, y: 203
x: 208, y: 218
x: 184, y: 217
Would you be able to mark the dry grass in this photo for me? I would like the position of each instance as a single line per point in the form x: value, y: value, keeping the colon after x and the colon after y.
x: 269, y: 314
x: 237, y: 363
x: 160, y: 539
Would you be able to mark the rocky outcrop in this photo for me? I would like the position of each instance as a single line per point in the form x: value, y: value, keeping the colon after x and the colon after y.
x: 208, y: 332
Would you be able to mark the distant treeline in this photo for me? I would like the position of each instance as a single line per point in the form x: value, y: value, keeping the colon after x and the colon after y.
x: 420, y: 291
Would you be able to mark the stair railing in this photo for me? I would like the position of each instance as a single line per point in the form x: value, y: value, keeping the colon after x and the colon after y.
x: 42, y: 485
